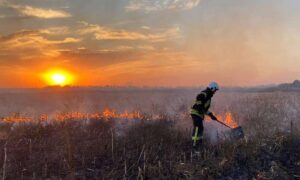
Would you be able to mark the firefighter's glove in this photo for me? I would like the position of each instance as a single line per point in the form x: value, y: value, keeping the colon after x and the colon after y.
x: 212, y: 117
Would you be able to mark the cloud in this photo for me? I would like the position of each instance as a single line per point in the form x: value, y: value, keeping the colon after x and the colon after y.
x: 56, y: 30
x: 146, y: 27
x: 127, y: 49
x: 159, y: 5
x: 32, y: 43
x: 17, y: 35
x: 106, y: 33
x: 30, y: 11
x: 33, y: 37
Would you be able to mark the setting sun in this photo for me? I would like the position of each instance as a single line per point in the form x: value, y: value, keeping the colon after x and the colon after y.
x: 58, y: 78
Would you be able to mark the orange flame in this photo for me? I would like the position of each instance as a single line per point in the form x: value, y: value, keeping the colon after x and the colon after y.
x: 229, y: 120
x: 106, y: 114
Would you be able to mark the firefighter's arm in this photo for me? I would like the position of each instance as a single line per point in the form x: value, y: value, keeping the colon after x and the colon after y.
x: 211, y: 115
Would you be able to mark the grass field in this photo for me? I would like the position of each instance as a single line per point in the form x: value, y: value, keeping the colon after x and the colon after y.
x: 145, y: 134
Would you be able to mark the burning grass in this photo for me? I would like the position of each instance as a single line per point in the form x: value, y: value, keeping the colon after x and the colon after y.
x: 106, y: 114
x: 228, y: 120
x: 151, y: 144
x: 77, y: 149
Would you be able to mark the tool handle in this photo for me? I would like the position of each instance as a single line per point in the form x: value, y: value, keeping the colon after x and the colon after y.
x: 223, y: 124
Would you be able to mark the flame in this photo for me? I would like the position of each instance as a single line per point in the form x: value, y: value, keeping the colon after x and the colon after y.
x: 16, y: 118
x: 227, y: 119
x: 105, y: 114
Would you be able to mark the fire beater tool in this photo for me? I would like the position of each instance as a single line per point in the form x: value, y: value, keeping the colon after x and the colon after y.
x: 236, y: 133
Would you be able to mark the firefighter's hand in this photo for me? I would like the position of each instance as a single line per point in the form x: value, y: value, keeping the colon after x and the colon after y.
x: 213, y: 117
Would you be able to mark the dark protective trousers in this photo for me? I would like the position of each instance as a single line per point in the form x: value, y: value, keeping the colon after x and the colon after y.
x: 197, y: 136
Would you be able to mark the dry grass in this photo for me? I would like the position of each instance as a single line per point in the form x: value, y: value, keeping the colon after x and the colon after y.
x: 144, y: 148
x: 148, y: 149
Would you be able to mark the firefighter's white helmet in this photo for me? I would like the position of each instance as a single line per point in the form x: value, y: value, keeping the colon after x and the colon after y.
x: 213, y: 86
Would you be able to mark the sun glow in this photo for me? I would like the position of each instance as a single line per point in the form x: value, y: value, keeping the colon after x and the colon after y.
x: 58, y: 78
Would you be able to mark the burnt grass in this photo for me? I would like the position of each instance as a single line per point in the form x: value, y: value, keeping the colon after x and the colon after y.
x: 147, y: 149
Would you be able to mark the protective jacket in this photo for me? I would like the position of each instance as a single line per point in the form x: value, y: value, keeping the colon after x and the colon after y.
x: 202, y: 104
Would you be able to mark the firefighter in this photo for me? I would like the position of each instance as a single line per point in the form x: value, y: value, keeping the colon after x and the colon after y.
x: 199, y: 110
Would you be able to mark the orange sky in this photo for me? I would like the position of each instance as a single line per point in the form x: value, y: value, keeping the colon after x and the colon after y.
x: 152, y: 43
